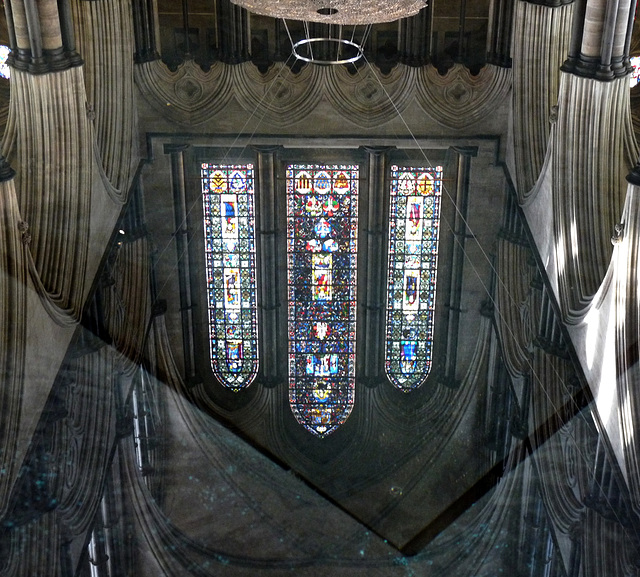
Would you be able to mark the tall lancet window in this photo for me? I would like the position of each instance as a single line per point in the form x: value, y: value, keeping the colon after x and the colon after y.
x: 228, y: 199
x: 414, y: 223
x: 322, y: 213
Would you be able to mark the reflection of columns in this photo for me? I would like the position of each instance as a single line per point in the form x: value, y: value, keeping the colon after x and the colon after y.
x: 414, y: 43
x: 600, y: 39
x: 42, y: 35
x: 145, y: 31
x: 499, y: 33
x: 233, y: 32
x: 269, y: 302
x: 549, y: 334
x: 178, y: 185
x: 372, y: 267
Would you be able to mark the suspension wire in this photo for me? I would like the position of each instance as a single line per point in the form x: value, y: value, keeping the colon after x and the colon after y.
x: 225, y: 160
x: 556, y: 409
x: 486, y: 257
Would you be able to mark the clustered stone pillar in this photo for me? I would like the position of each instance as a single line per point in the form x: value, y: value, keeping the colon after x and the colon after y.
x: 415, y: 38
x: 234, y: 41
x: 144, y: 28
x: 499, y: 33
x: 601, y: 38
x: 41, y: 35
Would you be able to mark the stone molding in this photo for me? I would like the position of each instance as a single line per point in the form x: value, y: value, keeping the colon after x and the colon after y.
x: 191, y: 96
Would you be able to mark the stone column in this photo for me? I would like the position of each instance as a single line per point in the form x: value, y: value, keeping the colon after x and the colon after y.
x: 499, y: 33
x: 627, y: 42
x: 268, y: 295
x: 373, y: 267
x: 600, y: 45
x: 10, y: 26
x: 144, y: 30
x: 414, y: 43
x: 234, y: 41
x: 42, y: 32
x: 457, y: 264
x: 178, y: 185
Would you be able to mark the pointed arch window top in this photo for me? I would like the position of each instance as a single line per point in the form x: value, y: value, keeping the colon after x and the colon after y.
x: 414, y: 224
x: 228, y: 203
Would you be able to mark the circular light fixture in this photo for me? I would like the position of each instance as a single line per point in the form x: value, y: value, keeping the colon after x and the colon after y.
x: 348, y: 12
x: 342, y: 51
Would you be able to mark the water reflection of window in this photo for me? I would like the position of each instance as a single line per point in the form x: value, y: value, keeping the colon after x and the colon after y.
x: 228, y: 202
x: 322, y: 215
x: 414, y: 222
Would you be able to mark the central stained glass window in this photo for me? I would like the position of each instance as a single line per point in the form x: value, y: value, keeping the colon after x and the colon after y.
x: 322, y: 217
x: 414, y: 222
x: 227, y: 196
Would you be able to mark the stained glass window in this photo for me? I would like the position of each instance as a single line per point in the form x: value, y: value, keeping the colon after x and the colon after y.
x: 413, y: 259
x: 5, y: 71
x: 322, y: 212
x: 228, y: 199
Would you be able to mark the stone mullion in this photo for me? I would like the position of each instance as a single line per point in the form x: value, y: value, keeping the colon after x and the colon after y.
x: 178, y: 184
x: 268, y: 282
x: 374, y: 281
x: 457, y: 264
